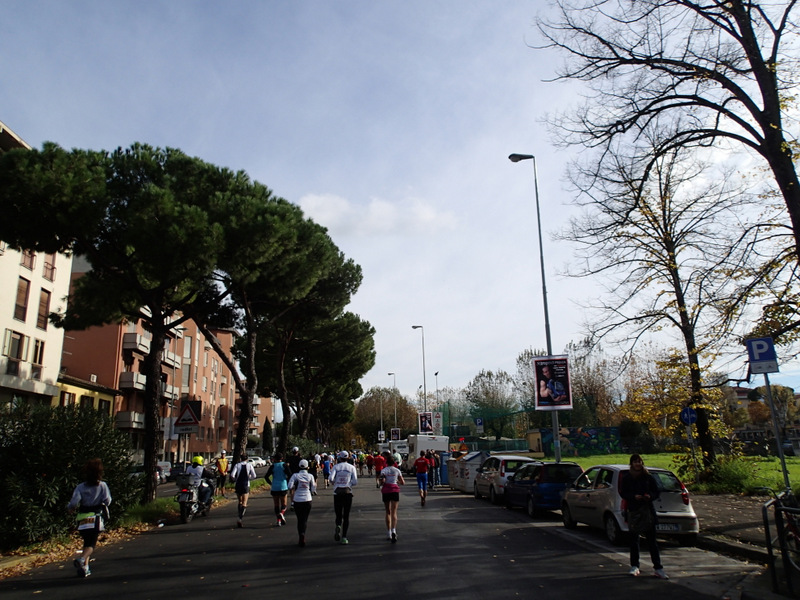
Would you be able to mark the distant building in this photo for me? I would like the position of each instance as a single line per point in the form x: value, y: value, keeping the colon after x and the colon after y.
x: 32, y: 285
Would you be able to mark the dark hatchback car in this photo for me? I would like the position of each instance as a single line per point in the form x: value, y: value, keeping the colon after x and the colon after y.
x: 540, y: 485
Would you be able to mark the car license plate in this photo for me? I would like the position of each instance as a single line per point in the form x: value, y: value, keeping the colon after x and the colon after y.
x: 666, y: 527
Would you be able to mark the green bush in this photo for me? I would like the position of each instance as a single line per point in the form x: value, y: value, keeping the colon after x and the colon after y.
x: 43, y: 450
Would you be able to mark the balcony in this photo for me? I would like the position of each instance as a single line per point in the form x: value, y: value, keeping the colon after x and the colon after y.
x: 130, y: 420
x: 135, y: 343
x: 170, y: 359
x: 220, y: 423
x: 129, y: 380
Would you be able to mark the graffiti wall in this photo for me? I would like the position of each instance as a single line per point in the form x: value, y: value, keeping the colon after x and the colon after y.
x: 582, y: 441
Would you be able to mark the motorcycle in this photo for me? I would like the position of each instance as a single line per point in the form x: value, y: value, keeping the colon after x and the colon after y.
x: 189, y: 497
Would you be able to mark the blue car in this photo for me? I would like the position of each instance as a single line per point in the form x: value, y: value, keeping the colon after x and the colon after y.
x: 539, y: 485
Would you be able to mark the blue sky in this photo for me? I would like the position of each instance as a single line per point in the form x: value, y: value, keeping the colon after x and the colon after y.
x: 389, y: 123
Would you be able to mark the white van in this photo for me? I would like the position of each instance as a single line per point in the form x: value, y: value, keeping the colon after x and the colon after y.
x: 418, y: 443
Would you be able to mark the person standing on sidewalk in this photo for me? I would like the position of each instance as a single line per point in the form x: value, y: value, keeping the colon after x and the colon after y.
x: 422, y: 467
x: 639, y: 489
x: 242, y: 474
x: 391, y: 479
x: 91, y: 500
x: 222, y: 472
x: 278, y: 479
x: 344, y: 478
x: 302, y: 486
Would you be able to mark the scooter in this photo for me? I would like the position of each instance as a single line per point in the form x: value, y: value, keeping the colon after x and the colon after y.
x: 189, y: 497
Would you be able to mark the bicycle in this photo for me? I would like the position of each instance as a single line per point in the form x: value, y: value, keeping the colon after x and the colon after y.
x: 787, y: 525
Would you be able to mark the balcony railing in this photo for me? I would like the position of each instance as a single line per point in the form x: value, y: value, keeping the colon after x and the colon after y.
x: 135, y: 342
x: 129, y: 380
x: 130, y: 420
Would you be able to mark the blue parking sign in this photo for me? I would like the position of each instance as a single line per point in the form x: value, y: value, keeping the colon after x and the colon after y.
x: 761, y: 352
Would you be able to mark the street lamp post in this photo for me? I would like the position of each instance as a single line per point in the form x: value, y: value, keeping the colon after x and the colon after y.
x: 424, y: 384
x: 517, y: 158
x: 394, y: 395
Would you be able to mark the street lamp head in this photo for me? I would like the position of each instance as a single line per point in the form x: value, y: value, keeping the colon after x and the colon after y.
x: 416, y: 327
x: 519, y: 157
x: 390, y: 373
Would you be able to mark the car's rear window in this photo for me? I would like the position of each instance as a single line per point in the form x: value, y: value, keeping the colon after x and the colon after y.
x: 562, y: 473
x: 513, y: 465
x: 667, y: 482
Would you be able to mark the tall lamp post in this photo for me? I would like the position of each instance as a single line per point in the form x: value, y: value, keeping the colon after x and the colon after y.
x: 394, y: 394
x: 424, y: 384
x: 517, y: 158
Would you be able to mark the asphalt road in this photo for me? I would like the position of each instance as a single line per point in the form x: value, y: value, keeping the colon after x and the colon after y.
x: 455, y: 547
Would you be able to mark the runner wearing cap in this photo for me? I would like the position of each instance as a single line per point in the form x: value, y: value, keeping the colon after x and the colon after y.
x: 344, y: 478
x: 302, y: 486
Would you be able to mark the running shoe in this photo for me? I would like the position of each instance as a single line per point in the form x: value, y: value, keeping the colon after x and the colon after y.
x: 634, y: 572
x: 394, y: 537
x: 338, y: 535
x: 660, y: 574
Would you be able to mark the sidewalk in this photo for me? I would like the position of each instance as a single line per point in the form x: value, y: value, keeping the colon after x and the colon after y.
x: 734, y: 525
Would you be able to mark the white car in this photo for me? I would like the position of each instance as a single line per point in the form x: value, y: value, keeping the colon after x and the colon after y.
x: 491, y: 477
x: 593, y: 498
x: 257, y: 462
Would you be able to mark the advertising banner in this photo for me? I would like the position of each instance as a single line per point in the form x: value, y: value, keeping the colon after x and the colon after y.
x: 553, y: 390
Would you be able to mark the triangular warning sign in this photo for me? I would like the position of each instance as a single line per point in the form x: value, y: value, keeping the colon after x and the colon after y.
x: 187, y: 417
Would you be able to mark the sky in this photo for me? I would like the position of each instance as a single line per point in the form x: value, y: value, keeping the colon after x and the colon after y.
x: 389, y: 123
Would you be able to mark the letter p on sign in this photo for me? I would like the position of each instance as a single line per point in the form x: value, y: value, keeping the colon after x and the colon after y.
x: 761, y: 352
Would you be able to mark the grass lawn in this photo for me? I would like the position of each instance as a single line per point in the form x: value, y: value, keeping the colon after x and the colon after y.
x: 765, y: 471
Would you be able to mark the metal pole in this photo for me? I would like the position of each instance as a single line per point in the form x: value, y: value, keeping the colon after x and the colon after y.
x: 776, y: 431
x: 554, y: 413
x: 394, y: 395
x: 424, y: 383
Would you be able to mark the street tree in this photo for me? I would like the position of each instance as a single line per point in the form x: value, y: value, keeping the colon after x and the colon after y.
x: 275, y: 265
x: 325, y: 361
x: 378, y: 401
x: 491, y: 397
x: 139, y: 216
x: 723, y: 73
x: 338, y: 279
x: 595, y: 379
x: 676, y: 253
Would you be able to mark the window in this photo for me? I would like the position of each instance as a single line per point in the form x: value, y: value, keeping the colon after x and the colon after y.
x: 15, y: 348
x: 37, y: 360
x: 49, y: 271
x: 104, y: 406
x: 187, y: 347
x: 28, y: 259
x: 44, y: 310
x: 87, y: 402
x: 67, y: 399
x: 21, y: 306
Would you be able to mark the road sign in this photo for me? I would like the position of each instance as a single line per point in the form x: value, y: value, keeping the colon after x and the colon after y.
x: 187, y: 417
x: 688, y: 416
x: 186, y: 428
x: 761, y: 352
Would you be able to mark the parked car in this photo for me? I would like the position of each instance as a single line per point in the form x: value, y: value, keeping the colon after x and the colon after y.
x: 539, y: 486
x: 138, y: 471
x: 593, y: 499
x: 164, y: 468
x: 490, y: 479
x: 257, y: 461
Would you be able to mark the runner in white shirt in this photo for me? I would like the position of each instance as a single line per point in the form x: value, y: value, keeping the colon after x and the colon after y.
x: 344, y: 478
x: 302, y: 486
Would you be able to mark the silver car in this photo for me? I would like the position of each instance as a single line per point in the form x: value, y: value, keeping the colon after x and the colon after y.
x: 593, y: 499
x: 490, y: 479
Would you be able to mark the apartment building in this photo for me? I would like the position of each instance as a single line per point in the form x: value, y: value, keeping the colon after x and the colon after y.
x: 32, y: 284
